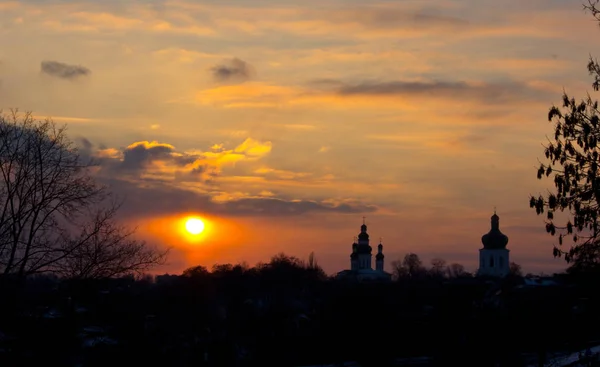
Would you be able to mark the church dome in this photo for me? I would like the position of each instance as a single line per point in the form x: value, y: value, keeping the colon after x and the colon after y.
x: 364, y: 249
x: 494, y: 239
x: 379, y: 255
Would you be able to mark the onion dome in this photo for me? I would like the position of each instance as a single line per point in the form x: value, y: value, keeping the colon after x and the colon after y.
x: 363, y: 233
x: 379, y: 255
x: 363, y: 240
x: 364, y: 249
x: 494, y: 239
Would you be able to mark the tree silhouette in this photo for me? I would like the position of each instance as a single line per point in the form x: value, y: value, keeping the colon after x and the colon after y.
x: 572, y: 158
x: 456, y: 270
x: 54, y: 217
x: 438, y: 268
x: 410, y: 266
x: 515, y: 269
x: 198, y: 271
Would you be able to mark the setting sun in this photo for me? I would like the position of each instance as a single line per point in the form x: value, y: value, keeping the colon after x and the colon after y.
x: 194, y: 226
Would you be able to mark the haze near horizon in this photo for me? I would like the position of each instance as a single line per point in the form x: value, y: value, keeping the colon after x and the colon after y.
x: 281, y: 125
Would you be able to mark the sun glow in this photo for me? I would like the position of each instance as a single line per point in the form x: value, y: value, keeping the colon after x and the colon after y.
x: 194, y: 226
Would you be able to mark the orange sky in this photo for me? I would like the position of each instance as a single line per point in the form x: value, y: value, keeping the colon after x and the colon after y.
x: 283, y: 123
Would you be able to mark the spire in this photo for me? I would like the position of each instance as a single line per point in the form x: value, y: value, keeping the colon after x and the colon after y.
x: 363, y: 228
x: 379, y: 257
x: 495, y: 219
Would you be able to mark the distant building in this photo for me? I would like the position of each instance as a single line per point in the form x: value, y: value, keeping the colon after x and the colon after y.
x: 361, y: 259
x: 493, y: 257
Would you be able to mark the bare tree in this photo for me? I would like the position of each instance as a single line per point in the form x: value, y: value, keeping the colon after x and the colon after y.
x: 438, y: 267
x: 312, y: 261
x: 515, y: 269
x: 456, y: 270
x: 196, y: 271
x: 54, y: 217
x: 109, y: 251
x: 398, y: 270
x: 414, y: 265
x: 410, y: 266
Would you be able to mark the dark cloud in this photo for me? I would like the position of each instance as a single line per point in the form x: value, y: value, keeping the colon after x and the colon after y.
x: 233, y: 70
x: 149, y: 196
x: 139, y: 156
x: 490, y: 92
x: 64, y: 71
x: 158, y: 199
x: 393, y: 18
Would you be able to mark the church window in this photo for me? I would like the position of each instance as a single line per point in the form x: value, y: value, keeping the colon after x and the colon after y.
x: 501, y: 261
x: 491, y: 262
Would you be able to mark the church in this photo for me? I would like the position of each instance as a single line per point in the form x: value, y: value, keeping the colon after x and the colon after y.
x: 361, y: 260
x: 493, y: 257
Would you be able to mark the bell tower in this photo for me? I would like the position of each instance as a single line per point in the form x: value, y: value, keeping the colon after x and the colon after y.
x: 363, y: 249
x: 494, y: 256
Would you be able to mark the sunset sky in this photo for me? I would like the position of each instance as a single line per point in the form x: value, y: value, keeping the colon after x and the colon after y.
x: 282, y: 123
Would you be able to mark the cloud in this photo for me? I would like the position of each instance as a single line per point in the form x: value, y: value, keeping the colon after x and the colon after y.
x: 158, y: 179
x: 141, y: 154
x: 158, y: 199
x: 64, y: 71
x: 234, y: 70
x: 490, y: 92
x: 372, y: 94
x: 153, y: 160
x: 281, y: 174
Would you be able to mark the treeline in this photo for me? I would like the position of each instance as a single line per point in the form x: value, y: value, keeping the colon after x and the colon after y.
x: 286, y: 312
x: 409, y: 267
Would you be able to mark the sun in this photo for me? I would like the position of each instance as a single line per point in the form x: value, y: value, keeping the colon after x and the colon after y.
x: 194, y: 226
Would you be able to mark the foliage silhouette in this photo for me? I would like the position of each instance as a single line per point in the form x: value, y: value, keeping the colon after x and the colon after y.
x: 54, y: 217
x: 572, y: 158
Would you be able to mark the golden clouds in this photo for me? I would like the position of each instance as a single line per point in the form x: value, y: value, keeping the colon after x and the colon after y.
x: 106, y: 20
x: 184, y: 56
x: 364, y: 22
x: 400, y: 95
x: 254, y: 149
x: 281, y: 174
x: 162, y: 161
x: 249, y: 150
x: 252, y: 94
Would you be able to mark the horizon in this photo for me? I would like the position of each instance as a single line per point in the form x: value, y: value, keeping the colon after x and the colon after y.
x: 281, y: 126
